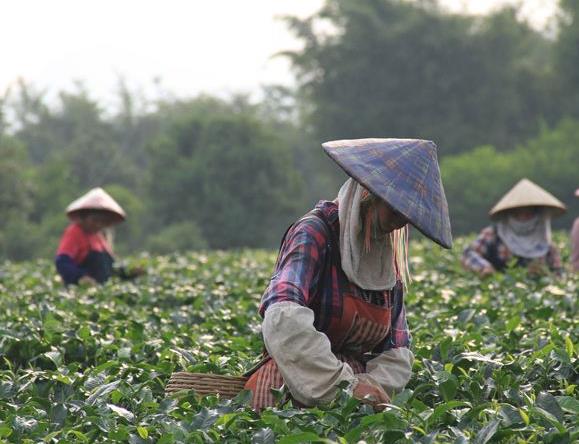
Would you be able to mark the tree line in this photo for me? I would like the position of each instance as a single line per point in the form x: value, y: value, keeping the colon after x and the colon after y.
x: 499, y: 98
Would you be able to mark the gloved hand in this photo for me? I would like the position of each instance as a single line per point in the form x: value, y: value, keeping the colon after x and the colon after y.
x: 370, y: 392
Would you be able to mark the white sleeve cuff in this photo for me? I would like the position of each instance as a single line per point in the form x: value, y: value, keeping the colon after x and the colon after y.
x: 392, y: 369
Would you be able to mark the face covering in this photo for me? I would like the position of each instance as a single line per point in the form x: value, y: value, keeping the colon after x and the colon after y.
x: 529, y: 239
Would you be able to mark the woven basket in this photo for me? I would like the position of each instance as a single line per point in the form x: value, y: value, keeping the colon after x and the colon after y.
x: 206, y: 384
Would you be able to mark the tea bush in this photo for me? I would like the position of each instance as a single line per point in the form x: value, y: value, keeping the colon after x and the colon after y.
x: 496, y: 359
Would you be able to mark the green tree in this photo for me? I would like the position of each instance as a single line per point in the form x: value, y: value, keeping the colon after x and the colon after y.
x: 475, y: 180
x: 76, y: 133
x: 567, y: 56
x: 408, y: 69
x: 227, y: 170
x: 18, y: 237
x: 177, y: 237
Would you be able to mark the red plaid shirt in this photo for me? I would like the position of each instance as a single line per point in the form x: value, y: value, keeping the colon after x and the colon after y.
x: 308, y: 272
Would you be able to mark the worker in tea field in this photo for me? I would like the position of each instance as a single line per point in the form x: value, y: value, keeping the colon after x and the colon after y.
x: 520, y: 235
x: 333, y: 312
x: 575, y: 242
x: 85, y: 254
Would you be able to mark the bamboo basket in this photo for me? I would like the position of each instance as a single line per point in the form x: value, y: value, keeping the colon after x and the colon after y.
x: 206, y: 384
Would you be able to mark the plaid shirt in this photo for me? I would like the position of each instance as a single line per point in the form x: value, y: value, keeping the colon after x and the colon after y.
x: 308, y: 272
x: 489, y: 250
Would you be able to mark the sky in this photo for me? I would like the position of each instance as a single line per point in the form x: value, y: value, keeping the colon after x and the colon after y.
x: 181, y: 47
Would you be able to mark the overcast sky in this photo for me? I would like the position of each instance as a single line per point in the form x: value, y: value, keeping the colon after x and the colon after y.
x: 192, y: 46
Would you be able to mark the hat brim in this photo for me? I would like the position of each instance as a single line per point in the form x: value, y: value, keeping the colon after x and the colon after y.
x: 554, y: 211
x: 390, y: 193
x: 526, y: 193
x: 116, y: 218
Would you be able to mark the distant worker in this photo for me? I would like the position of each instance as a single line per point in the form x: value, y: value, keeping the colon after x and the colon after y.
x: 575, y: 242
x: 85, y: 255
x: 521, y: 234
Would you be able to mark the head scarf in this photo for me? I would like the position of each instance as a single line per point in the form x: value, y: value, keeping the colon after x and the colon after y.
x: 369, y: 268
x: 529, y: 239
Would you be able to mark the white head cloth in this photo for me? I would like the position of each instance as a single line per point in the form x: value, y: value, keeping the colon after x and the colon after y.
x: 370, y: 270
x: 529, y: 239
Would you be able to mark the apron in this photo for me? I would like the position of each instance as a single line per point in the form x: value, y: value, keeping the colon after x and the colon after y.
x: 360, y: 329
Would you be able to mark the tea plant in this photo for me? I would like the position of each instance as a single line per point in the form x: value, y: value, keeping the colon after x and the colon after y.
x: 496, y: 359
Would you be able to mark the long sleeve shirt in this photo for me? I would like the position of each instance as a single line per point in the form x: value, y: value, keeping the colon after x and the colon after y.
x: 81, y: 253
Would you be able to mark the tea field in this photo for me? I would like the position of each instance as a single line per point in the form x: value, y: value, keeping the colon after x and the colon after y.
x: 496, y: 360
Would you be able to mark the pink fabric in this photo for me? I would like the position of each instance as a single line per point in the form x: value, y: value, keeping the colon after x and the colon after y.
x: 575, y: 246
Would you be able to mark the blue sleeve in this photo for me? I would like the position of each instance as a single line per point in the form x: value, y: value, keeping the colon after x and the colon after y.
x: 68, y: 269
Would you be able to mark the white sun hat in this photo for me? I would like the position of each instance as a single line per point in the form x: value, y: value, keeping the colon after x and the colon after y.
x: 97, y: 199
x: 528, y: 194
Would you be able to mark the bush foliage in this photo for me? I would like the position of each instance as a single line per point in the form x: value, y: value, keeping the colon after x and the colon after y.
x: 496, y: 360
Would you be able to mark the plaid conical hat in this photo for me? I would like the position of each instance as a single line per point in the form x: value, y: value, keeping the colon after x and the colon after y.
x: 97, y: 199
x: 402, y: 172
x: 528, y: 194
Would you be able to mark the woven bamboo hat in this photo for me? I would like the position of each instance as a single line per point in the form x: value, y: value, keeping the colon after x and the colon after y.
x: 97, y: 199
x: 402, y: 172
x: 528, y: 194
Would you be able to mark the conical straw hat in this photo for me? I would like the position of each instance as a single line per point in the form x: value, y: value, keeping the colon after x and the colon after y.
x: 97, y: 199
x: 528, y: 194
x: 402, y: 172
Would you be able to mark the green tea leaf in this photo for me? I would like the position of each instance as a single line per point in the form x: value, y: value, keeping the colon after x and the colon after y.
x: 569, y: 347
x: 513, y: 323
x: 143, y: 432
x: 568, y: 404
x: 100, y: 393
x: 443, y: 408
x: 263, y: 436
x: 448, y: 388
x: 487, y: 432
x: 524, y: 416
x: 299, y: 438
x: 549, y: 403
x: 5, y: 431
x: 122, y: 412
